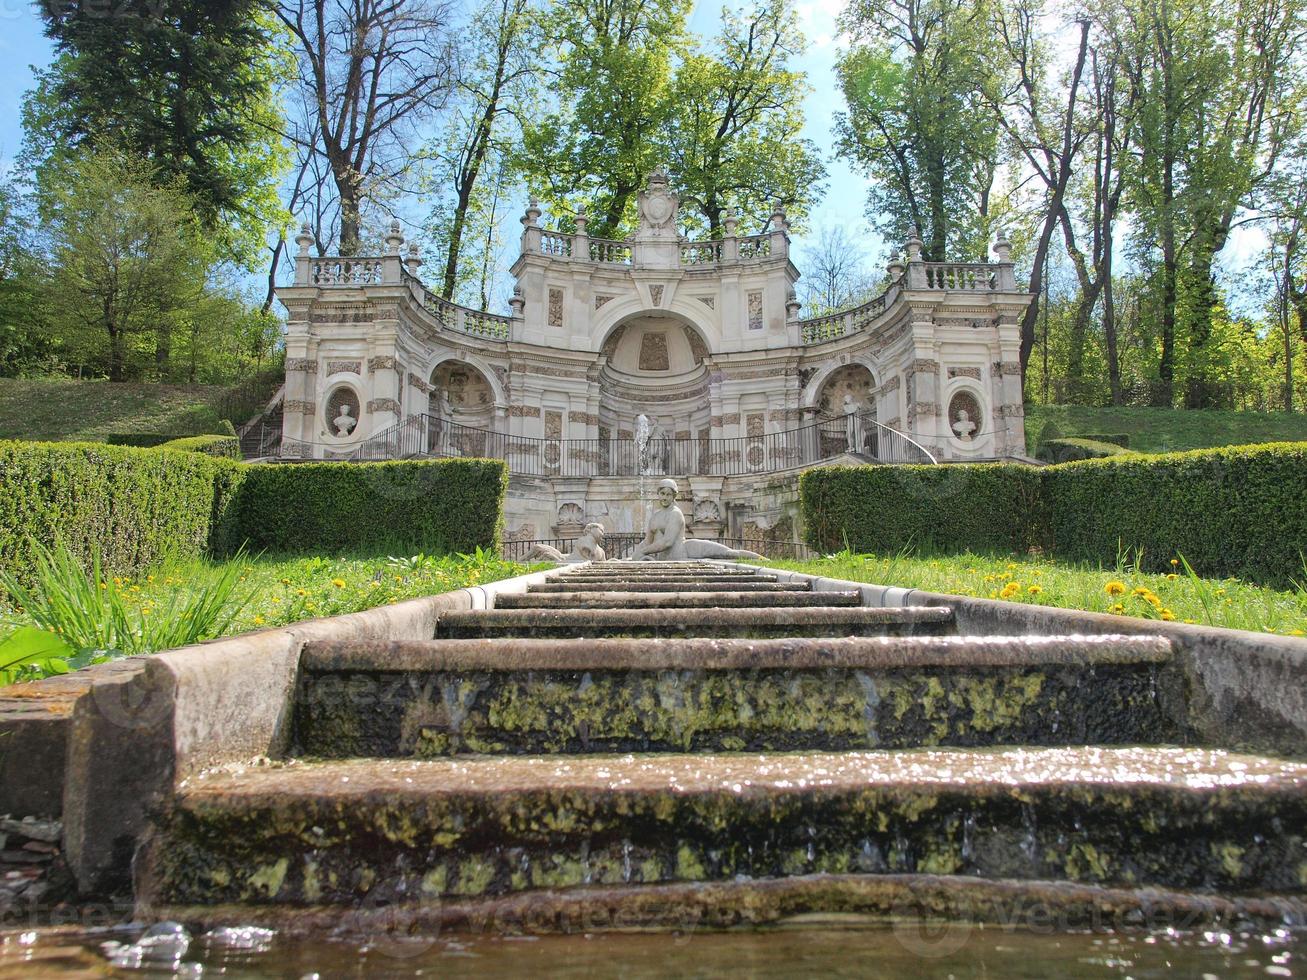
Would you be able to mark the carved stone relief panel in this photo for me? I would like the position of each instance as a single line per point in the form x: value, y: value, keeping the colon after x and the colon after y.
x: 555, y: 307
x: 553, y: 425
x: 754, y: 424
x: 601, y: 300
x: 698, y: 349
x: 755, y: 310
x: 653, y: 351
x: 656, y: 294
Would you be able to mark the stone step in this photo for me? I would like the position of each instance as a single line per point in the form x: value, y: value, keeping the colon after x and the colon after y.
x: 670, y: 600
x: 441, y: 697
x: 671, y: 585
x: 369, y: 832
x: 708, y: 622
x: 676, y: 577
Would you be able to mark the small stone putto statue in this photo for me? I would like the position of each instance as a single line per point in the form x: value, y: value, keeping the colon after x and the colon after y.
x: 589, y: 546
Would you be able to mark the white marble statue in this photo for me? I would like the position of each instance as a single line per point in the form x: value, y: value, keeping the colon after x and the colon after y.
x: 852, y: 424
x: 964, y: 426
x: 665, y: 540
x: 589, y: 546
x: 344, y: 422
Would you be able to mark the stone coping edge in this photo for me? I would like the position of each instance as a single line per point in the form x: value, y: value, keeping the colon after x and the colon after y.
x: 1236, y: 689
x: 804, y: 901
x: 126, y: 733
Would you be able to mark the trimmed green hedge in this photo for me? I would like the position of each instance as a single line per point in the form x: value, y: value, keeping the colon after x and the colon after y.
x: 226, y: 447
x: 1071, y: 450
x: 1121, y: 439
x: 137, y: 506
x: 140, y: 506
x: 887, y: 508
x: 1236, y: 511
x: 433, y: 506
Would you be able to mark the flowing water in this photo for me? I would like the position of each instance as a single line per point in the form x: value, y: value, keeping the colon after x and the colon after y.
x: 902, y: 950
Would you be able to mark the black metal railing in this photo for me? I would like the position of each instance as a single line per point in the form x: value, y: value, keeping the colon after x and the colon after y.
x: 622, y: 545
x: 431, y: 436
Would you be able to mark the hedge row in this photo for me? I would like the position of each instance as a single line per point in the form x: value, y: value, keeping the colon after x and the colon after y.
x: 883, y: 509
x: 140, y: 506
x: 1071, y: 450
x: 225, y: 447
x: 432, y: 506
x: 136, y: 506
x: 1236, y: 511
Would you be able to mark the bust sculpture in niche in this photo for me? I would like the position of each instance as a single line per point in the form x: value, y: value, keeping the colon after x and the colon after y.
x: 665, y: 540
x: 345, y: 422
x: 964, y: 426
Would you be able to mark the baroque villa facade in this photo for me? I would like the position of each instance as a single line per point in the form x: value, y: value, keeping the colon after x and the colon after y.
x: 702, y: 339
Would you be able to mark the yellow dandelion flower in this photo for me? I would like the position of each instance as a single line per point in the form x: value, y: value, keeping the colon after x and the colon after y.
x: 1117, y: 608
x: 301, y: 591
x: 276, y: 600
x: 1140, y: 590
x: 1175, y: 562
x: 258, y: 620
x: 1297, y: 633
x: 1191, y: 622
x: 310, y: 606
x: 1168, y: 615
x: 285, y: 581
x: 338, y: 583
x: 1114, y: 588
x: 1011, y: 566
x: 1171, y: 576
x: 104, y: 585
x: 1034, y: 590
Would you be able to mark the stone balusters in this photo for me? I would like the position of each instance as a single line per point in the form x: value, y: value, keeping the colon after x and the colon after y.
x: 581, y: 240
x: 916, y: 277
x: 531, y: 230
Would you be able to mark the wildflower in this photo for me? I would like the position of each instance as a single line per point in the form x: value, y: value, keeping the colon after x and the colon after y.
x: 338, y: 583
x: 1141, y: 590
x: 258, y: 620
x: 104, y: 585
x: 1175, y: 562
x: 310, y: 606
x: 1034, y: 590
x: 1117, y: 608
x: 1219, y: 592
x: 1010, y: 566
x: 1191, y: 622
x: 149, y: 578
x: 1168, y: 615
x: 1297, y: 633
x: 1171, y: 577
x: 1114, y: 588
x: 285, y: 581
x: 301, y: 591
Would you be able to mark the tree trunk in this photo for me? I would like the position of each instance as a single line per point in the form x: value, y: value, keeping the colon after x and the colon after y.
x: 348, y: 186
x: 1109, y: 323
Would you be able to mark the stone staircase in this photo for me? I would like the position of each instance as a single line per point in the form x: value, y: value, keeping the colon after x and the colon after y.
x: 650, y: 745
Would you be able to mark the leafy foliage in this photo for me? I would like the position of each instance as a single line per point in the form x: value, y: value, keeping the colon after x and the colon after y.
x: 223, y: 446
x: 437, y: 506
x: 1236, y: 511
x: 1070, y: 450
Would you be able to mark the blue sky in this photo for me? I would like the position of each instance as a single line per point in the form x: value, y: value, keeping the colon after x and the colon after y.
x: 23, y: 45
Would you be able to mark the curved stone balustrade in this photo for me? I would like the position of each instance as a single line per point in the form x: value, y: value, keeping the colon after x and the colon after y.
x: 346, y: 272
x: 475, y: 323
x: 961, y: 275
x: 611, y: 252
x: 833, y: 326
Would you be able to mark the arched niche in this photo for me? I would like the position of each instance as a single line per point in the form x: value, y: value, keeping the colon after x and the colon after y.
x: 852, y: 380
x: 462, y: 393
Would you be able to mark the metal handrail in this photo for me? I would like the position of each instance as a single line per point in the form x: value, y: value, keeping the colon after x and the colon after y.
x: 429, y: 436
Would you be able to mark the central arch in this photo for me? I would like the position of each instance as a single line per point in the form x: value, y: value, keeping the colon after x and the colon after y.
x: 653, y: 363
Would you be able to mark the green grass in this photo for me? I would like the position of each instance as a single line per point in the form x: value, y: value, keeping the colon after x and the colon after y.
x: 1178, y: 595
x: 58, y: 410
x: 1157, y: 430
x: 257, y: 593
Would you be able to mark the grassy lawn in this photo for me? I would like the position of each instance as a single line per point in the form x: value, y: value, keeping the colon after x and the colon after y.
x: 64, y: 409
x: 1157, y: 430
x: 185, y: 602
x: 1122, y: 590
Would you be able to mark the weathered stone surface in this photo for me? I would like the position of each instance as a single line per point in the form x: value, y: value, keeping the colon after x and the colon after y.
x: 431, y: 699
x: 755, y: 622
x: 672, y: 600
x: 341, y: 833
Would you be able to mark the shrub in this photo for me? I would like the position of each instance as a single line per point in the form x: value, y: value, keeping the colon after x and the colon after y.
x: 226, y: 447
x: 1071, y: 450
x: 1121, y: 439
x: 136, y: 506
x: 432, y: 506
x: 140, y: 440
x: 1234, y: 511
x: 948, y: 507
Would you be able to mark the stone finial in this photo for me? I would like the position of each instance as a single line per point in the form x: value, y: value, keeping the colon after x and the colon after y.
x: 517, y: 302
x: 658, y: 177
x: 914, y: 244
x: 582, y: 220
x: 305, y: 239
x: 730, y: 222
x: 394, y: 238
x: 894, y: 267
x: 778, y: 220
x: 1002, y: 247
x: 413, y: 260
x: 792, y: 305
x: 532, y: 216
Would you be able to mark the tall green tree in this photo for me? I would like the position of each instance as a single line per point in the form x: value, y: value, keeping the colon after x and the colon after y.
x: 191, y: 86
x: 129, y: 258
x: 496, y: 81
x: 612, y: 102
x: 24, y: 341
x: 913, y: 81
x: 734, y: 137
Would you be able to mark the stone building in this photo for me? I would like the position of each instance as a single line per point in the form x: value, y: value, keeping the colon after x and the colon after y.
x: 624, y: 359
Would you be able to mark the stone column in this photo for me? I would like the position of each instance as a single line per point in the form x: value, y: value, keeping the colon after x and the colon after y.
x: 924, y: 384
x: 383, y: 406
x: 299, y: 408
